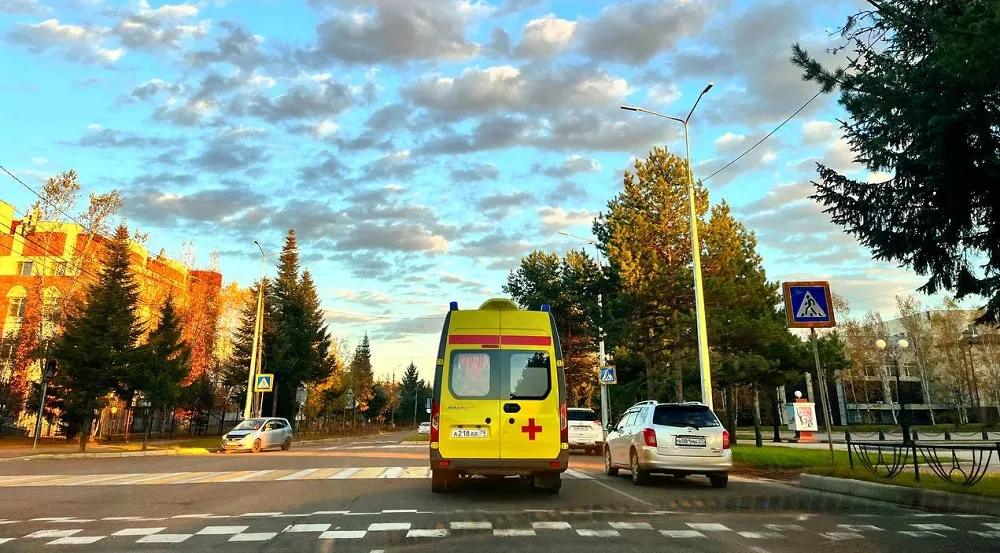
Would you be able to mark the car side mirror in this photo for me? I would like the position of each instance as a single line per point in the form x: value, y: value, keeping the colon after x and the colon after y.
x: 611, y: 427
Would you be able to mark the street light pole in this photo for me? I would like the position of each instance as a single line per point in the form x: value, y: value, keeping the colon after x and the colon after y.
x: 699, y: 293
x: 897, y: 351
x: 605, y: 400
x: 257, y: 334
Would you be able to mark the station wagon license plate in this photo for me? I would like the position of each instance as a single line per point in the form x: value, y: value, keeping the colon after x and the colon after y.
x: 690, y: 441
x: 470, y: 433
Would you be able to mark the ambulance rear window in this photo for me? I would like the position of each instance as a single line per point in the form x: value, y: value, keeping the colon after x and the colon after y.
x: 471, y: 375
x: 530, y: 377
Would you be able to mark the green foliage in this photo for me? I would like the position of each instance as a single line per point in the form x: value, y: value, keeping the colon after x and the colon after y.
x: 97, y: 349
x: 237, y: 369
x: 165, y: 362
x: 361, y: 376
x: 921, y: 96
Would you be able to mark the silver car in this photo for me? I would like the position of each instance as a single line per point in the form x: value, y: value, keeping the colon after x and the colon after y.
x: 258, y: 434
x: 669, y: 438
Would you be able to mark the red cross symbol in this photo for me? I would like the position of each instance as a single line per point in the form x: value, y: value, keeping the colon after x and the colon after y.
x: 531, y: 429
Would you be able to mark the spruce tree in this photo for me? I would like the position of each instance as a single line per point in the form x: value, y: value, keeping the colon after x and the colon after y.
x: 98, y: 345
x: 319, y: 363
x: 165, y: 364
x: 362, y: 376
x: 237, y: 370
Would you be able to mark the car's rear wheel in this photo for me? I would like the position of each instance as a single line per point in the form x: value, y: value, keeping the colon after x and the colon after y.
x: 256, y: 446
x: 286, y: 445
x: 639, y: 477
x: 609, y: 468
x: 719, y: 480
x: 443, y: 481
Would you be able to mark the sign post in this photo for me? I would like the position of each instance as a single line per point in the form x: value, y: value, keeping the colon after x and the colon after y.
x: 809, y: 305
x: 48, y: 371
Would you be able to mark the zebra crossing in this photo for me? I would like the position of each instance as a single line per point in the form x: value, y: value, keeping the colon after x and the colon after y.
x: 232, y: 477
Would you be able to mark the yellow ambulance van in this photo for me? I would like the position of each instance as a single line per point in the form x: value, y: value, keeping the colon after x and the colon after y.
x: 499, y: 404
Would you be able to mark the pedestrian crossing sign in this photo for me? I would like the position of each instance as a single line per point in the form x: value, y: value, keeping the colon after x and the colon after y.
x: 264, y: 383
x: 609, y: 375
x: 809, y: 304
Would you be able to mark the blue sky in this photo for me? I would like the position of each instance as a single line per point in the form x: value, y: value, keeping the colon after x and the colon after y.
x: 421, y: 147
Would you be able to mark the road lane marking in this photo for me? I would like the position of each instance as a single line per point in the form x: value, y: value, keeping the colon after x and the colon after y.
x: 54, y: 533
x: 194, y: 515
x: 323, y: 474
x: 682, y: 534
x: 253, y: 536
x: 631, y: 525
x: 147, y: 478
x: 302, y: 528
x: 429, y: 533
x: 90, y: 481
x: 198, y: 476
x: 573, y: 473
x: 921, y: 534
x: 164, y: 538
x: 220, y: 530
x: 708, y: 526
x: 841, y: 536
x: 297, y: 475
x: 550, y: 525
x: 245, y: 477
x: 263, y: 514
x: 391, y: 472
x: 139, y: 531
x: 5, y: 540
x: 168, y: 478
x: 345, y: 473
x: 319, y: 513
x: 859, y: 527
x: 388, y: 526
x: 471, y: 525
x: 993, y: 525
x: 343, y: 535
x: 513, y: 532
x: 397, y: 511
x: 933, y: 527
x: 76, y: 540
x: 52, y: 519
x: 620, y: 492
x: 369, y: 472
x: 760, y: 535
x: 591, y: 533
x: 990, y: 534
x: 416, y: 472
x: 784, y: 527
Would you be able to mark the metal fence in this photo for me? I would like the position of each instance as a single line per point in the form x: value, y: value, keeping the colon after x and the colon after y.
x: 964, y: 461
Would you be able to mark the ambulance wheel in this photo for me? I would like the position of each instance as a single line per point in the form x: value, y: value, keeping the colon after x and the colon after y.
x: 554, y: 485
x: 550, y: 482
x: 443, y: 481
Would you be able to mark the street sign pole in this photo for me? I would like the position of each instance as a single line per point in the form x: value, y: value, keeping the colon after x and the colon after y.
x: 810, y: 305
x: 48, y: 371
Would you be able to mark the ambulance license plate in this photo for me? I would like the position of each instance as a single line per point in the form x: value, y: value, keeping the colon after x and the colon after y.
x: 470, y: 433
x: 690, y: 441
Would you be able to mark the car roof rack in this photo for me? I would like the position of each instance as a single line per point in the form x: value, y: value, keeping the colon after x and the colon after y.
x: 648, y: 402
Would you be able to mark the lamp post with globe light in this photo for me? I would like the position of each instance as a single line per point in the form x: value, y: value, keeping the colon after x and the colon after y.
x: 895, y: 352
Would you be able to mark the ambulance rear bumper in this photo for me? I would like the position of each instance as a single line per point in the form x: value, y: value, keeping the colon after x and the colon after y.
x: 504, y: 467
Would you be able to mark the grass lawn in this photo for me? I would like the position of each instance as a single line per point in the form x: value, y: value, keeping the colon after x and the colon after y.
x: 784, y: 462
x: 418, y: 438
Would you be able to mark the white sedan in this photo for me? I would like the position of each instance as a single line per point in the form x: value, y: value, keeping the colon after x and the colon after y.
x: 424, y: 428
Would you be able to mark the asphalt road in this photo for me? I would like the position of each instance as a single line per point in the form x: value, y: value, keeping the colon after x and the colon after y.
x: 374, y: 494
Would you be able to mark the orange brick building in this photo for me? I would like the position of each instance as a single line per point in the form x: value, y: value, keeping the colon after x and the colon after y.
x: 47, y: 265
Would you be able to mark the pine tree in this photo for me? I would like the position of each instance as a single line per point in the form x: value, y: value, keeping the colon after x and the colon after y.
x: 99, y: 341
x: 362, y: 376
x: 410, y: 383
x: 319, y: 364
x: 166, y: 362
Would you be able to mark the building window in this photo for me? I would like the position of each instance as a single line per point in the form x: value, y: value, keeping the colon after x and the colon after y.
x: 15, y: 307
x: 24, y: 268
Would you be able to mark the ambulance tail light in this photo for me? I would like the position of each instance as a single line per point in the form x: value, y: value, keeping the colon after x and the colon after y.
x: 563, y: 424
x: 435, y: 421
x: 649, y: 436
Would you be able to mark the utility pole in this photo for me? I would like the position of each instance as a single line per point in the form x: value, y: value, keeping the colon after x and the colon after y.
x: 257, y: 332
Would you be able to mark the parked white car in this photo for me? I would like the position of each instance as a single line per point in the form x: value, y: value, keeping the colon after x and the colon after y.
x: 669, y: 438
x: 585, y: 430
x: 424, y: 428
x: 258, y: 434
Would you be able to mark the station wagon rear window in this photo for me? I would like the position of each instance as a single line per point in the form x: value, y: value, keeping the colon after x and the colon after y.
x: 529, y: 375
x: 471, y: 375
x: 694, y: 416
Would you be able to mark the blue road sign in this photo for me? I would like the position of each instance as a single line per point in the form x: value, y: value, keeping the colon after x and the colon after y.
x: 264, y: 383
x: 609, y: 375
x: 809, y: 304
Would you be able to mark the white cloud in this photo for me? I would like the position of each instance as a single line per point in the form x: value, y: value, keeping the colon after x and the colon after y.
x: 24, y: 7
x: 818, y: 132
x: 555, y: 218
x: 545, y: 37
x: 83, y: 44
x: 663, y: 94
x: 730, y: 143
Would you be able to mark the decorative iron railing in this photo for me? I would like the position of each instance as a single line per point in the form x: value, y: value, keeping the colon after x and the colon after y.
x: 959, y: 462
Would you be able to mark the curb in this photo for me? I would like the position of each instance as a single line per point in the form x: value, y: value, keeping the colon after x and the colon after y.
x: 119, y: 454
x: 935, y: 500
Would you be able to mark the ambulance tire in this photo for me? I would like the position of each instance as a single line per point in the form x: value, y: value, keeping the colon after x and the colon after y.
x: 550, y: 482
x: 443, y: 481
x: 554, y: 485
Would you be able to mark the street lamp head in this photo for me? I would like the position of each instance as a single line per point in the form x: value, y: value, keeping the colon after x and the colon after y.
x: 798, y: 394
x: 630, y: 108
x: 707, y: 88
x: 880, y: 343
x: 903, y: 344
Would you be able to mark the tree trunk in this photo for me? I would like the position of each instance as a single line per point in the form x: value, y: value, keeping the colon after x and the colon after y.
x: 149, y: 428
x: 731, y: 412
x: 758, y: 438
x: 274, y: 399
x: 85, y: 429
x: 776, y: 415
